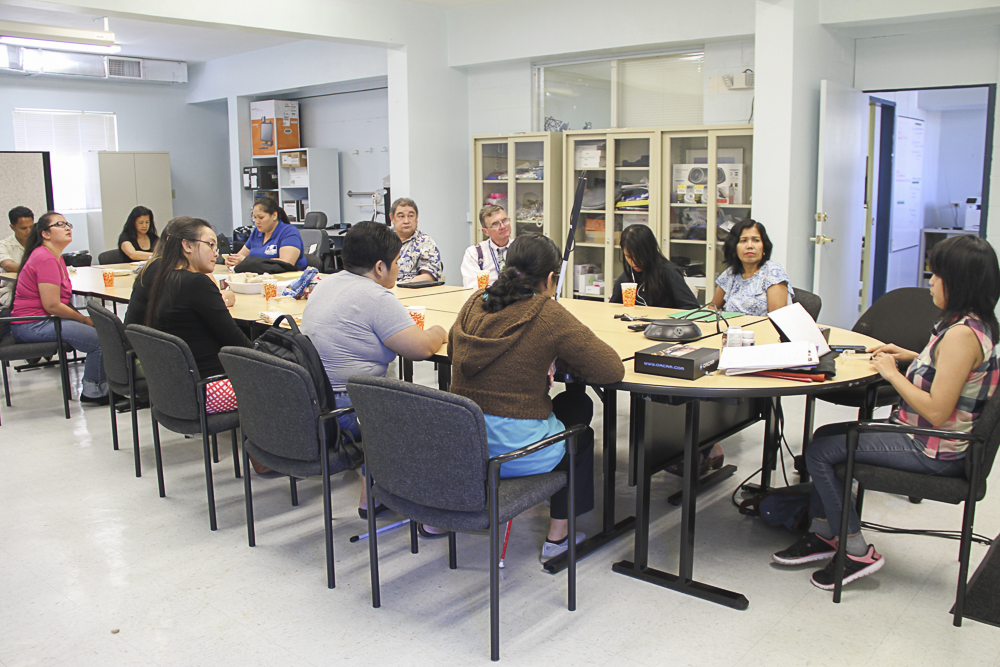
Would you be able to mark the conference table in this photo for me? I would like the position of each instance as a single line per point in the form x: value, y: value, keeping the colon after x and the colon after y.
x: 711, y: 408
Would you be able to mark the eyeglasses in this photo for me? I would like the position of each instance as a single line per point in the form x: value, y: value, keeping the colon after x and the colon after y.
x: 500, y: 223
x: 61, y: 223
x: 210, y: 244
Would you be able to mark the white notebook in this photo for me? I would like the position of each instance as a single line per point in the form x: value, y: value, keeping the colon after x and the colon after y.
x: 798, y: 325
x: 740, y: 360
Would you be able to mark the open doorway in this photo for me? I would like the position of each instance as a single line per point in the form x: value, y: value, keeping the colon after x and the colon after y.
x: 929, y: 167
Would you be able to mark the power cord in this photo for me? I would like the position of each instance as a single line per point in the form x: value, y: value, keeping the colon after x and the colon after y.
x: 943, y: 534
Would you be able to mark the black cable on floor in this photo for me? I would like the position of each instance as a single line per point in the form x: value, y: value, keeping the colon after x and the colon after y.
x: 929, y: 532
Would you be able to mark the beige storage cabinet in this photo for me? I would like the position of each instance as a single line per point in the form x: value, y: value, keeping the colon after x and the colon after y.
x: 117, y: 182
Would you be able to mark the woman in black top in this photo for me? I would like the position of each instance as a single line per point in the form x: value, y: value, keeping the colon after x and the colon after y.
x: 184, y: 300
x: 138, y: 238
x: 660, y: 281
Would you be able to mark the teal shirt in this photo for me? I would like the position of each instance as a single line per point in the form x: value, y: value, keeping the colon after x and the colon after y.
x: 505, y: 434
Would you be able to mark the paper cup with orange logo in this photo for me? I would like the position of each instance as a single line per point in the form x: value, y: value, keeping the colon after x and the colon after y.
x: 109, y: 277
x: 270, y: 289
x: 417, y: 313
x: 628, y: 294
x: 482, y: 279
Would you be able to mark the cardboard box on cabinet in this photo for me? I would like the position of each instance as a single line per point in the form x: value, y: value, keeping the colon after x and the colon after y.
x: 274, y: 126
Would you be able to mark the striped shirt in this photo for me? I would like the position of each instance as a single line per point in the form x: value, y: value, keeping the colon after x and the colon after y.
x: 978, y: 389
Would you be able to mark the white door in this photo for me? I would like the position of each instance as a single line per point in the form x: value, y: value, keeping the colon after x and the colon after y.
x: 840, y: 202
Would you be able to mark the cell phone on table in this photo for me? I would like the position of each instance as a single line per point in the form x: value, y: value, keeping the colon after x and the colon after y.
x: 638, y: 327
x: 848, y: 348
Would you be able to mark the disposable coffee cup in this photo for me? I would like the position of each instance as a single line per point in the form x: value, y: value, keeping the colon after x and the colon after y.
x: 417, y: 313
x: 628, y: 294
x: 109, y: 277
x: 270, y: 289
x: 482, y: 279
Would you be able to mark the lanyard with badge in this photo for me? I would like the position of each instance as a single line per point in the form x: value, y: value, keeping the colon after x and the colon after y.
x: 497, y: 263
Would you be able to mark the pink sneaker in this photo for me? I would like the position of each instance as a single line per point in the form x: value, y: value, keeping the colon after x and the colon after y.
x: 855, y: 567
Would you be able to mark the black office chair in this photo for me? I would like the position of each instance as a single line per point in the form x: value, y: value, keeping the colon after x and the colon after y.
x: 316, y: 243
x: 314, y: 220
x: 811, y: 302
x: 113, y: 256
x: 969, y: 489
x: 903, y: 316
x: 11, y: 350
x: 120, y: 368
x: 177, y: 400
x: 284, y: 429
x: 427, y: 459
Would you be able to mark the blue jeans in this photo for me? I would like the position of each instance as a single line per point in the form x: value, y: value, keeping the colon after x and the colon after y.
x: 82, y: 337
x: 348, y: 422
x: 889, y: 450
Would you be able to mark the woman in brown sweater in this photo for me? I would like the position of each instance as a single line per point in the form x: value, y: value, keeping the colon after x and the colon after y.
x: 505, y: 346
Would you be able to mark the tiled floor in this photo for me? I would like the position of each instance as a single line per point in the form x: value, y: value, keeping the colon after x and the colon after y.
x: 96, y: 569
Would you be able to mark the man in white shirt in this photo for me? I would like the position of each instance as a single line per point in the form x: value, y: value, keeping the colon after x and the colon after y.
x: 488, y: 255
x: 12, y: 249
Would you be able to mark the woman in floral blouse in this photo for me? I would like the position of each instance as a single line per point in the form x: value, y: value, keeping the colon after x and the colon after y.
x: 752, y: 284
x: 420, y: 259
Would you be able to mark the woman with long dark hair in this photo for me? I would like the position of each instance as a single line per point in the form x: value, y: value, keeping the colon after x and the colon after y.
x: 505, y: 347
x: 185, y: 301
x: 946, y: 387
x: 660, y: 281
x: 44, y: 288
x: 273, y: 238
x: 752, y: 283
x: 138, y: 238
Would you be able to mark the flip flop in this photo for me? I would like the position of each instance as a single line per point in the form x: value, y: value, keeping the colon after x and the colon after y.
x: 425, y: 533
x: 378, y: 510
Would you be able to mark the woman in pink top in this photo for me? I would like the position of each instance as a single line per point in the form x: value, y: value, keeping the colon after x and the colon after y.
x: 43, y: 288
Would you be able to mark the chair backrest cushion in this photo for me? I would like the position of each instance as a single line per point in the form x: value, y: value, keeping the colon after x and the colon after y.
x: 811, y: 302
x: 314, y: 220
x: 424, y: 445
x: 114, y: 344
x: 171, y: 374
x: 113, y: 256
x: 988, y: 428
x: 279, y: 409
x: 318, y: 238
x: 903, y: 316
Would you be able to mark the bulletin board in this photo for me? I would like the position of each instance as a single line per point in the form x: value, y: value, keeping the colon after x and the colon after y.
x: 908, y: 173
x: 25, y: 180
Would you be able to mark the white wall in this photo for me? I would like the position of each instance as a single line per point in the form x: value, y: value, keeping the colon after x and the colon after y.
x: 356, y: 124
x: 962, y: 149
x: 150, y: 118
x: 793, y: 54
x: 500, y: 98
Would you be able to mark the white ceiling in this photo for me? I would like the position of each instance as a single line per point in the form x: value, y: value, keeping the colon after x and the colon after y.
x: 148, y: 39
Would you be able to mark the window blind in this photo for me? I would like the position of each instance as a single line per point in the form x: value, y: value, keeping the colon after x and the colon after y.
x: 662, y: 91
x: 68, y: 136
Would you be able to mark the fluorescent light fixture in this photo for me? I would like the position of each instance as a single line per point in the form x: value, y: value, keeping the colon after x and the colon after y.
x: 61, y: 46
x: 37, y: 36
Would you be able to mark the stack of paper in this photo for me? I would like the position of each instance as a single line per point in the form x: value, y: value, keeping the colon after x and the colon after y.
x: 742, y: 360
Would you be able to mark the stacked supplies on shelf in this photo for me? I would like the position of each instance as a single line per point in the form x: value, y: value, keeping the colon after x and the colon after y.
x: 633, y: 197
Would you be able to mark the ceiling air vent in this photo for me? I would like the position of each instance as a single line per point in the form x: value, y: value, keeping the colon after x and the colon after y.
x: 124, y: 68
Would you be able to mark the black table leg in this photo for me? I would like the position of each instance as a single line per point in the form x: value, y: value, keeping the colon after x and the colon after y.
x: 609, y: 530
x: 638, y: 569
x: 444, y: 375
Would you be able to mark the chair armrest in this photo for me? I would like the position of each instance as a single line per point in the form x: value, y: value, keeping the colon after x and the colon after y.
x: 215, y: 378
x: 327, y: 416
x: 28, y: 318
x: 537, y: 446
x: 882, y: 427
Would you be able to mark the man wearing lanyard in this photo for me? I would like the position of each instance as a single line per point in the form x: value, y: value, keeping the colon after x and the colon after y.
x: 487, y: 255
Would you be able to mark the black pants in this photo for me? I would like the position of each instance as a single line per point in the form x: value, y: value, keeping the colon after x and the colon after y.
x: 573, y: 407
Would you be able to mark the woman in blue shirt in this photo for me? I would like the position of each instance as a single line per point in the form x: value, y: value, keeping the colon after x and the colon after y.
x: 273, y: 238
x: 752, y: 284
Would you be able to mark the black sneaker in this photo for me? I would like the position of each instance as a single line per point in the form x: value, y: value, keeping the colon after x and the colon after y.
x: 855, y: 567
x: 806, y: 550
x: 95, y: 400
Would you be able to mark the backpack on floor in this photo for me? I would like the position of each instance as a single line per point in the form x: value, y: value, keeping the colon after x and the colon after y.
x: 788, y: 507
x: 294, y: 346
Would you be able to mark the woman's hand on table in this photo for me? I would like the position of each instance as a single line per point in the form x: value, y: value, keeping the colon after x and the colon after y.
x: 229, y: 297
x: 896, y: 352
x: 233, y: 259
x: 885, y: 364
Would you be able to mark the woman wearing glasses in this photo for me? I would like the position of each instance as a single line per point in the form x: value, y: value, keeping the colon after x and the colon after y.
x: 44, y: 288
x: 185, y: 301
x: 488, y: 255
